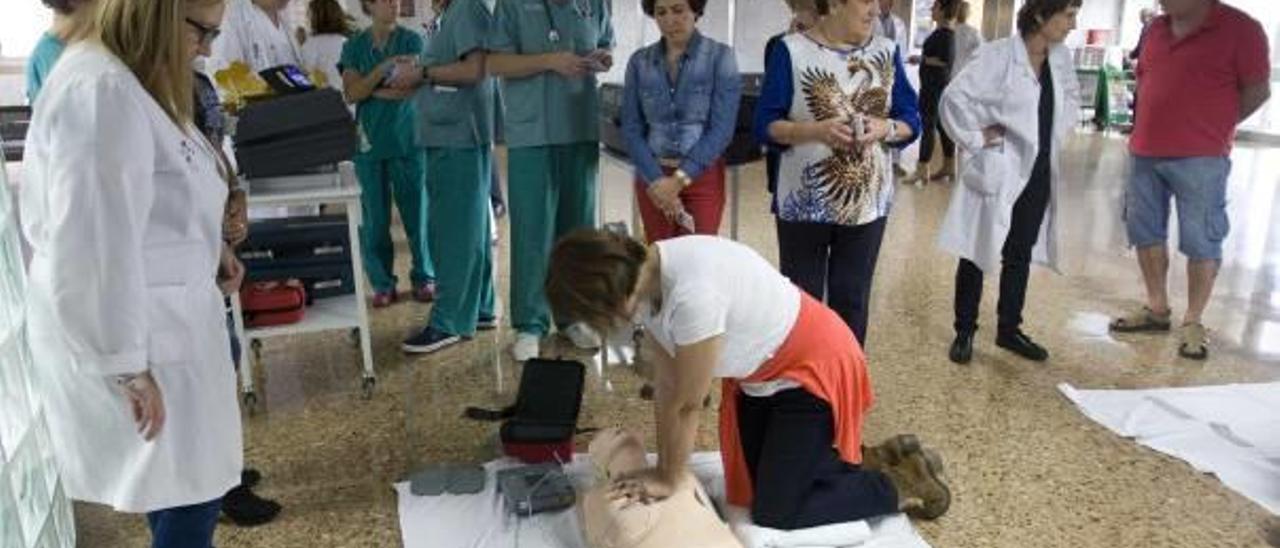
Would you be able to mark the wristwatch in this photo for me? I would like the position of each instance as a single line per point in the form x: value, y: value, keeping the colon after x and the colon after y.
x: 683, y: 177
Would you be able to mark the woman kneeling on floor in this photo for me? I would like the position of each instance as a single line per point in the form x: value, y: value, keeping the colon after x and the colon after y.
x: 795, y: 387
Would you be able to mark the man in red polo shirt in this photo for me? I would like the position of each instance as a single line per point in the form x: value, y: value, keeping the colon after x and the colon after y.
x: 1204, y: 68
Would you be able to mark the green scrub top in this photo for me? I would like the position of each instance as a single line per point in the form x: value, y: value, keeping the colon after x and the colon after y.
x: 40, y: 64
x: 388, y: 125
x: 547, y: 108
x: 457, y: 116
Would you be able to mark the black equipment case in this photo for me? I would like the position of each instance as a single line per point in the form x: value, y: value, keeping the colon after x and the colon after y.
x: 289, y: 134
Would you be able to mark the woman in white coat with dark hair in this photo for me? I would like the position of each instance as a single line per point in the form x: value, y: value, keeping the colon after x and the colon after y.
x: 122, y: 204
x: 1009, y: 111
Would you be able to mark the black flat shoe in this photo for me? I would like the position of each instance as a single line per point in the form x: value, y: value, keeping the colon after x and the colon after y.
x: 246, y: 509
x: 1019, y: 343
x: 962, y: 348
x: 250, y: 478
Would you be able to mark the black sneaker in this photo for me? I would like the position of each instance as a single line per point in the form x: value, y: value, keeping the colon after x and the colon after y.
x: 1019, y: 343
x: 486, y: 323
x: 246, y: 509
x: 428, y: 340
x: 962, y: 348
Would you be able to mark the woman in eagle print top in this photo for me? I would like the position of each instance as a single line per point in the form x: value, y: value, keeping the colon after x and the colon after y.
x: 835, y: 100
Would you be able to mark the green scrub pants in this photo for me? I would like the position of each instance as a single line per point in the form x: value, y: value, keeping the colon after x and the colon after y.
x: 551, y: 191
x: 401, y: 178
x: 458, y: 188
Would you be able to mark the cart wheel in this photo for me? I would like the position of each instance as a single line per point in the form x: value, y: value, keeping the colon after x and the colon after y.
x: 250, y: 402
x: 366, y: 387
x: 355, y: 337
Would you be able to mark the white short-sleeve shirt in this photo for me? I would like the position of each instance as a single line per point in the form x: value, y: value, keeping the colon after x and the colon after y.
x: 717, y: 287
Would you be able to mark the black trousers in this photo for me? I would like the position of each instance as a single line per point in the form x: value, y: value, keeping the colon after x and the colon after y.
x: 931, y: 121
x: 835, y: 264
x: 1024, y: 231
x: 798, y: 478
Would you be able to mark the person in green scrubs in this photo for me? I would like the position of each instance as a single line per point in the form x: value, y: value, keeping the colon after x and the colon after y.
x: 70, y: 19
x: 456, y: 100
x: 547, y: 53
x: 376, y: 65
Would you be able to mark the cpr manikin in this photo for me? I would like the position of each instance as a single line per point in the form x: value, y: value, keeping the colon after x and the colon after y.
x: 686, y: 518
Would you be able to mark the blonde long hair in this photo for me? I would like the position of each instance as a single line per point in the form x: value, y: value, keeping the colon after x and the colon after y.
x: 148, y: 37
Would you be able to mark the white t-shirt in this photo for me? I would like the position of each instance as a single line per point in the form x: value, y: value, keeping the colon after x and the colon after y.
x: 713, y: 286
x: 321, y: 52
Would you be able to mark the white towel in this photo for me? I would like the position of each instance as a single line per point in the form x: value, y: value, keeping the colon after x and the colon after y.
x: 1230, y: 431
x: 840, y: 535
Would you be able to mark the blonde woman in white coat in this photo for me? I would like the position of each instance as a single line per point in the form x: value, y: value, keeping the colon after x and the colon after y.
x: 1009, y: 111
x: 123, y: 207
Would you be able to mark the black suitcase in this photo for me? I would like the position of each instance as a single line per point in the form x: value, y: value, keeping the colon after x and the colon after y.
x: 545, y: 416
x: 320, y: 280
x: 296, y: 240
x: 742, y: 149
x: 294, y: 133
x: 315, y: 250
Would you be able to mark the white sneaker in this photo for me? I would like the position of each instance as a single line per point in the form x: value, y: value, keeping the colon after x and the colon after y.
x: 583, y: 336
x: 526, y: 347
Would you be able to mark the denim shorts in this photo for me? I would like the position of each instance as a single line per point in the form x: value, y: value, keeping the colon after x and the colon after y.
x: 1198, y: 186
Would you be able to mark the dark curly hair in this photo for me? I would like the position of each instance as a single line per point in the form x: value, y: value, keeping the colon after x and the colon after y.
x: 1035, y: 13
x: 698, y: 6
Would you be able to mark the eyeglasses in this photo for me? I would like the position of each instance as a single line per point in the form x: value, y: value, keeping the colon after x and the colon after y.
x: 208, y: 33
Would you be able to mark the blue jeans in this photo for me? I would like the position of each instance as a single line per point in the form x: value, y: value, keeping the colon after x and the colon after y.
x: 185, y: 526
x: 1198, y: 185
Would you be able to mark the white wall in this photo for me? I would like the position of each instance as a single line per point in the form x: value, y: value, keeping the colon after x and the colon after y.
x: 747, y: 24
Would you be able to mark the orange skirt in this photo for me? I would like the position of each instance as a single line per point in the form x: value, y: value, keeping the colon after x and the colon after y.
x: 822, y: 356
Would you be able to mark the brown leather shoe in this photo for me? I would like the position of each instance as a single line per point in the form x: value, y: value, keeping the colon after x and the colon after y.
x: 893, y: 451
x: 922, y: 491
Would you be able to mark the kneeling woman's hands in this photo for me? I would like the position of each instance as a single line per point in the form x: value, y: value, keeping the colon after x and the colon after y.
x: 644, y: 486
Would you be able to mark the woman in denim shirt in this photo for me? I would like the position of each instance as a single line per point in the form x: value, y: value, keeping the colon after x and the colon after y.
x: 679, y: 109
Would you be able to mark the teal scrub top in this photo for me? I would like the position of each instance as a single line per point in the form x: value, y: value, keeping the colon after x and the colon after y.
x: 40, y: 64
x: 547, y: 108
x: 388, y: 125
x: 457, y: 116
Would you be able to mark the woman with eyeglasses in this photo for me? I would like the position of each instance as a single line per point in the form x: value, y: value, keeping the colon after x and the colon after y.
x: 125, y: 316
x: 835, y: 103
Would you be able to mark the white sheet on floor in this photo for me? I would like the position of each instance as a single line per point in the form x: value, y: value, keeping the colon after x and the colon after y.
x: 1231, y: 431
x: 480, y: 521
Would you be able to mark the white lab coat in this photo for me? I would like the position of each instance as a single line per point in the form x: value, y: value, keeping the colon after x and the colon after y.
x: 249, y: 35
x: 123, y: 211
x: 968, y: 40
x: 322, y: 52
x: 899, y: 35
x: 999, y: 87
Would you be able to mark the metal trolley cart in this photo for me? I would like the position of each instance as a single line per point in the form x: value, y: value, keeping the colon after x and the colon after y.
x: 345, y: 312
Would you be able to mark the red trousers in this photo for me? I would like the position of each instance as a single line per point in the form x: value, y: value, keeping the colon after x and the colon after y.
x: 704, y: 200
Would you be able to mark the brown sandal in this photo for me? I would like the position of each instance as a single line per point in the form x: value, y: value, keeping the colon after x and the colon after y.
x: 1195, y: 342
x: 1144, y: 321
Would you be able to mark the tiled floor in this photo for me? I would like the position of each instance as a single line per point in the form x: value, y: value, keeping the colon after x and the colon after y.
x: 1027, y: 469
